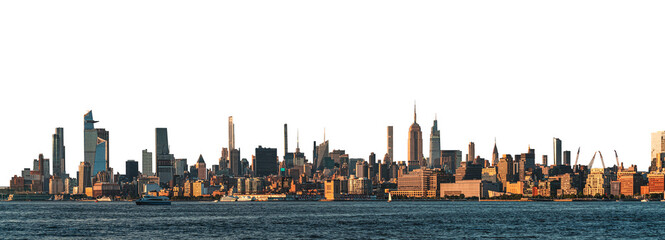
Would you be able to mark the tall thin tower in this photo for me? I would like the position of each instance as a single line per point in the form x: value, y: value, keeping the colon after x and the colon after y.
x: 59, y: 152
x: 390, y: 145
x: 232, y: 134
x: 286, y: 140
x: 415, y: 143
x: 434, y: 146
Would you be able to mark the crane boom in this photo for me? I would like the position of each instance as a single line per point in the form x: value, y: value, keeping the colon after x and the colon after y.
x: 617, y: 155
x: 593, y: 158
x: 601, y: 158
x: 578, y: 156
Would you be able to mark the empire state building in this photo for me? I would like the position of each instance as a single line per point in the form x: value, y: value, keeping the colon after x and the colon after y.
x: 415, y: 144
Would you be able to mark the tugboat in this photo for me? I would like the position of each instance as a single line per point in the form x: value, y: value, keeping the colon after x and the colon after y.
x: 153, y: 200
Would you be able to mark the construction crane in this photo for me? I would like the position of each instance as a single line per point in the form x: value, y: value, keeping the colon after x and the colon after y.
x: 578, y: 156
x: 601, y: 158
x: 618, y: 164
x: 593, y: 158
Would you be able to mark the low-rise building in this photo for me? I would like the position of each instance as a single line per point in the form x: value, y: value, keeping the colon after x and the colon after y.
x: 469, y: 188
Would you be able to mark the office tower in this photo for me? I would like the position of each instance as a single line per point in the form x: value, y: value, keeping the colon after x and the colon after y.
x: 265, y: 162
x: 557, y: 151
x: 84, y: 178
x: 235, y: 165
x: 288, y: 156
x: 180, y: 166
x: 35, y: 165
x: 244, y: 166
x: 495, y: 155
x: 529, y: 159
x: 315, y: 157
x: 544, y: 164
x: 390, y: 145
x: 415, y: 143
x: 131, y: 169
x: 322, y: 155
x: 566, y: 158
x: 224, y: 159
x: 657, y: 144
x: 451, y: 160
x: 163, y: 157
x: 101, y: 157
x: 201, y: 168
x: 361, y: 169
x: 146, y: 160
x: 298, y: 157
x: 472, y: 152
x: 506, y: 170
x: 44, y: 171
x: 336, y: 156
x: 232, y: 134
x: 434, y: 147
x: 59, y: 152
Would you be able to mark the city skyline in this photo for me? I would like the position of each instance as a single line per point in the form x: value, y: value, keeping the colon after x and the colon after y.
x: 524, y: 77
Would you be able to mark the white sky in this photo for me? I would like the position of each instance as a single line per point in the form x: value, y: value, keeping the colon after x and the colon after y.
x: 588, y: 72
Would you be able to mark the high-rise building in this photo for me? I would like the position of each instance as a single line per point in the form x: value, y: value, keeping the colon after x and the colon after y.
x: 265, y: 162
x: 415, y: 144
x: 566, y: 158
x: 322, y: 154
x: 44, y: 171
x: 390, y: 145
x: 131, y: 169
x: 557, y: 151
x: 288, y: 156
x: 506, y: 171
x: 224, y: 159
x: 232, y: 134
x: 163, y: 157
x: 472, y: 152
x: 235, y: 165
x: 451, y: 160
x: 495, y: 155
x: 544, y: 163
x: 180, y: 166
x: 657, y: 144
x: 434, y: 160
x: 94, y: 139
x: 84, y: 178
x: 59, y: 152
x: 202, y: 171
x: 146, y: 162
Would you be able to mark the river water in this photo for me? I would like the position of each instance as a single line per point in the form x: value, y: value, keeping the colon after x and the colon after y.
x: 332, y: 220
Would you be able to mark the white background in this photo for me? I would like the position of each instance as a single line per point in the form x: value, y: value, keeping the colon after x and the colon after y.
x: 588, y: 72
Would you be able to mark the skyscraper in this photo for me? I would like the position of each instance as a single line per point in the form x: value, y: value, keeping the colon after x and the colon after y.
x: 201, y: 169
x: 566, y: 158
x: 232, y: 134
x: 322, y: 154
x: 94, y: 139
x: 390, y: 145
x: 146, y: 160
x: 163, y: 157
x: 59, y: 152
x: 495, y: 155
x: 557, y: 151
x: 415, y: 143
x: 472, y: 152
x: 234, y: 163
x: 44, y: 171
x: 84, y: 177
x: 657, y: 144
x: 434, y: 147
x: 288, y: 156
x: 265, y: 162
x: 131, y: 169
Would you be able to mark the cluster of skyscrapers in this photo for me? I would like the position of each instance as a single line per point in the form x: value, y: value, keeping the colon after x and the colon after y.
x: 333, y: 174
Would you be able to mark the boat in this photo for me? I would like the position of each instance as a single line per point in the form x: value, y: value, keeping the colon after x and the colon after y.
x: 390, y: 197
x: 229, y: 198
x: 153, y: 200
x: 104, y: 199
x: 645, y: 200
x: 246, y: 199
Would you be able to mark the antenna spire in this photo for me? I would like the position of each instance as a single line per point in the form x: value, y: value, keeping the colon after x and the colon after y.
x: 414, y: 111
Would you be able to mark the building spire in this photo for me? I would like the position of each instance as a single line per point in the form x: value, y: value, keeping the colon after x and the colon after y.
x: 414, y: 111
x: 298, y: 139
x: 324, y: 134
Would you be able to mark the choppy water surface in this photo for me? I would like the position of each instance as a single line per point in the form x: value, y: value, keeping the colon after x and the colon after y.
x: 345, y: 220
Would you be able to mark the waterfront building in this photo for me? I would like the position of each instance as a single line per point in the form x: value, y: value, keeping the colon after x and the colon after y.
x: 84, y: 178
x: 434, y: 160
x: 415, y: 145
x: 557, y: 151
x: 59, y: 153
x: 630, y: 183
x: 469, y: 188
x: 265, y: 162
x: 332, y: 189
x: 146, y: 163
x: 131, y: 169
x: 656, y: 182
x: 615, y: 188
x: 597, y: 182
x: 390, y: 145
x: 359, y: 186
x: 570, y: 184
x: 56, y: 185
x: 163, y: 157
x: 105, y: 189
x: 201, y: 169
x: 515, y: 188
x: 418, y: 183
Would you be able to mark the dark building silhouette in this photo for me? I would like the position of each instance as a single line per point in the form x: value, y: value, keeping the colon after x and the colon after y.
x: 163, y: 157
x: 131, y: 169
x: 265, y: 162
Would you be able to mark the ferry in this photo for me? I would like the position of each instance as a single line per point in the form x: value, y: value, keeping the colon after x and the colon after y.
x: 246, y: 199
x: 229, y: 198
x: 153, y: 200
x: 104, y: 199
x: 645, y: 200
